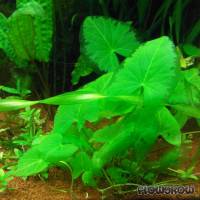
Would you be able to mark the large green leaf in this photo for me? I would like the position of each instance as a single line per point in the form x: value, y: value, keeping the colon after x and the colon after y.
x: 43, y: 28
x: 31, y: 163
x: 105, y: 38
x: 54, y: 149
x: 150, y: 72
x: 105, y: 106
x: 22, y: 30
x: 27, y: 34
x: 5, y: 43
x: 49, y: 149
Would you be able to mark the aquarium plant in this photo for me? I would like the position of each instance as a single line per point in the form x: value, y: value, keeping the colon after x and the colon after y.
x: 142, y: 93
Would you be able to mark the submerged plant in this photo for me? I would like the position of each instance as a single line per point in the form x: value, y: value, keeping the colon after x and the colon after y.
x: 26, y: 37
x: 142, y: 97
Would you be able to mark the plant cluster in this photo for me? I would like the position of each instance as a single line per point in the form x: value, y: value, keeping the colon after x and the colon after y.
x: 26, y: 37
x: 143, y: 94
x: 146, y: 92
x: 28, y: 126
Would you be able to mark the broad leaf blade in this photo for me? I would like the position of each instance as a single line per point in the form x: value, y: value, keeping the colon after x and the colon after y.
x: 105, y: 38
x: 43, y: 28
x: 31, y: 163
x: 150, y: 72
x: 22, y: 30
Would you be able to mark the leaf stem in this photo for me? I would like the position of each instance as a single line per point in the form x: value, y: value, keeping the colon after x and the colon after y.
x: 191, y: 132
x: 72, y: 180
x: 116, y: 186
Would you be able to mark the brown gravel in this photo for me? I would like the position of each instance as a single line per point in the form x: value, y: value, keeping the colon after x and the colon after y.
x: 36, y: 189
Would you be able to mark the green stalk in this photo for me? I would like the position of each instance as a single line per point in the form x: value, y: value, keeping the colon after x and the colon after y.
x: 70, y: 98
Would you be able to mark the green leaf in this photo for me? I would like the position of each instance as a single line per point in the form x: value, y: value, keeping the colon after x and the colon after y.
x: 137, y: 134
x: 109, y: 132
x: 14, y: 104
x: 5, y: 43
x: 150, y: 72
x: 188, y: 110
x: 105, y: 38
x: 47, y: 150
x: 83, y: 67
x: 169, y: 127
x: 27, y: 34
x: 181, y: 118
x: 53, y: 148
x: 88, y: 179
x: 89, y: 94
x: 60, y: 153
x: 22, y: 30
x: 78, y: 138
x: 186, y: 96
x: 80, y: 163
x: 121, y: 141
x: 145, y: 132
x: 193, y: 78
x: 184, y: 93
x: 105, y: 106
x: 43, y: 28
x: 30, y: 163
x: 9, y: 89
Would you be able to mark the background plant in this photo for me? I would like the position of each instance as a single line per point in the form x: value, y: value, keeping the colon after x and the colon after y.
x: 26, y: 36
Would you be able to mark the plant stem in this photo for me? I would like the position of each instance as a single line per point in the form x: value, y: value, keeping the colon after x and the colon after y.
x: 191, y: 132
x: 116, y: 186
x: 72, y: 180
x: 107, y: 177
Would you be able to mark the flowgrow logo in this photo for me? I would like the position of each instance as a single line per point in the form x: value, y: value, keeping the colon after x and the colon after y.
x: 153, y: 190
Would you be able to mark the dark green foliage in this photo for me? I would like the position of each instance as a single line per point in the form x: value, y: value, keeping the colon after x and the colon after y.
x: 26, y: 35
